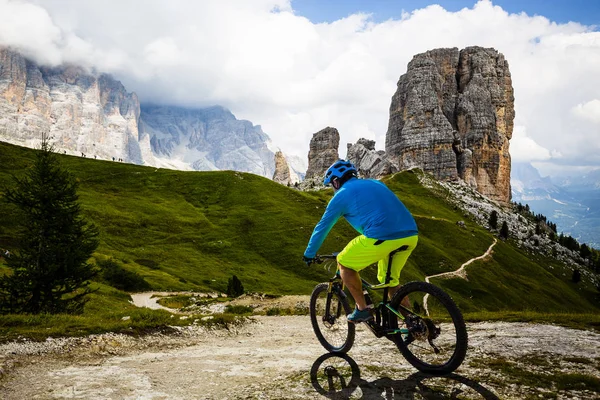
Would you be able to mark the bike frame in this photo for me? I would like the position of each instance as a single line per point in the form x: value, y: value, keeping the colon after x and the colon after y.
x: 380, y: 325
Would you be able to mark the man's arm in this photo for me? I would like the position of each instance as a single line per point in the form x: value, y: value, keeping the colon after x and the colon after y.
x: 332, y: 213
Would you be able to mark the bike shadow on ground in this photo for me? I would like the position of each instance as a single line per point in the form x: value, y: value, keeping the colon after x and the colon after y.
x: 337, y: 376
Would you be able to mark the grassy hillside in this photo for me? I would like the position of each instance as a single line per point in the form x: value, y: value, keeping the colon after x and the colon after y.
x: 194, y: 230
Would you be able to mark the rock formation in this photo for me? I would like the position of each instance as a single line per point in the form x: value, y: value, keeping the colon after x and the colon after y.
x: 206, y: 139
x: 88, y: 113
x: 282, y: 170
x: 81, y: 112
x: 323, y: 152
x: 452, y: 115
x: 369, y: 162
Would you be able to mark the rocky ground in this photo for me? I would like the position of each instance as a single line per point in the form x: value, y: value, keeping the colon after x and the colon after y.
x: 278, y: 357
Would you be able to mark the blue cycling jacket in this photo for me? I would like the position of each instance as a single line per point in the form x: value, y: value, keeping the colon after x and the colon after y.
x: 370, y: 207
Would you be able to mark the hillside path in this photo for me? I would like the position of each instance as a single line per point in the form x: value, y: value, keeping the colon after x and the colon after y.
x: 461, y: 273
x: 280, y: 358
x: 150, y: 300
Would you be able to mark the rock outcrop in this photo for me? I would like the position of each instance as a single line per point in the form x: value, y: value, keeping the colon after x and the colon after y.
x: 323, y: 152
x: 370, y: 163
x: 93, y: 114
x: 452, y: 115
x: 282, y: 169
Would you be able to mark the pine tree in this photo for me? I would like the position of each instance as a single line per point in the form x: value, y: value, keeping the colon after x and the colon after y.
x: 576, y: 277
x: 504, y: 230
x: 50, y: 272
x: 585, y: 251
x: 235, y: 287
x: 493, y: 220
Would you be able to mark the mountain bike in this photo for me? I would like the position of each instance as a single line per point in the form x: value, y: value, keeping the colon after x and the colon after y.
x: 421, y: 319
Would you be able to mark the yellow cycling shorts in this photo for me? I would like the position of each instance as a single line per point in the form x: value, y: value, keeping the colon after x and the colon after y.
x: 362, y: 252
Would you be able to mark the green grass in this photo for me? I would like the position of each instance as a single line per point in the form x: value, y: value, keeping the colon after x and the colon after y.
x: 512, y: 372
x: 568, y: 320
x: 513, y: 281
x: 237, y: 309
x: 192, y: 231
x: 108, y: 310
x: 176, y: 302
x: 286, y: 311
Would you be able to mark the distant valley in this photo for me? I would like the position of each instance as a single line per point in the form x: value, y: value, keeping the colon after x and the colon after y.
x: 572, y: 203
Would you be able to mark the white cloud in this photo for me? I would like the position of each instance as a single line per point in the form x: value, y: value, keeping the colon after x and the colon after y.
x: 30, y: 29
x: 589, y: 111
x: 293, y: 77
x: 525, y: 149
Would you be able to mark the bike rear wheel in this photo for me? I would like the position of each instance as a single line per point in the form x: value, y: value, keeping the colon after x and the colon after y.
x: 434, y: 338
x: 328, y: 312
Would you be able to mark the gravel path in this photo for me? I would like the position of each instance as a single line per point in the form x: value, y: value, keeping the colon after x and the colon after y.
x: 272, y: 358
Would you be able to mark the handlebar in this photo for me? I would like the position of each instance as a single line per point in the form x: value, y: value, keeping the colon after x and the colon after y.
x: 320, y: 258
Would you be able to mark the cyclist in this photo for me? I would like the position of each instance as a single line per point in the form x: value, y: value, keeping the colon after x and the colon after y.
x: 384, y: 224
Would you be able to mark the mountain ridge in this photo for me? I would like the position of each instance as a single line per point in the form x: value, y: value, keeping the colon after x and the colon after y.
x: 92, y: 114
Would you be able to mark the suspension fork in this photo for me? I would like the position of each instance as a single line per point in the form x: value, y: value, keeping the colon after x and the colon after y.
x: 333, y: 287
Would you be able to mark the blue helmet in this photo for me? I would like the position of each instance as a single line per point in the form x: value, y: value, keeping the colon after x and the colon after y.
x: 338, y: 169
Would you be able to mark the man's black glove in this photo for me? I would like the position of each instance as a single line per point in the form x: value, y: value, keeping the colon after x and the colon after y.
x: 308, y: 260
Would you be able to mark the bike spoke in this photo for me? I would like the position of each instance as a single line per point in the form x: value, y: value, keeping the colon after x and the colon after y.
x: 435, y: 325
x: 332, y: 323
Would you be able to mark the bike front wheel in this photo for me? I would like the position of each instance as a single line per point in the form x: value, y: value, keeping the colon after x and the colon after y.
x: 434, y: 336
x: 328, y: 310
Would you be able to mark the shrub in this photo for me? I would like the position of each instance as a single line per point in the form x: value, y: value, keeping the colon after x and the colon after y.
x: 274, y: 311
x: 576, y: 277
x: 235, y: 287
x: 147, y: 263
x: 238, y: 309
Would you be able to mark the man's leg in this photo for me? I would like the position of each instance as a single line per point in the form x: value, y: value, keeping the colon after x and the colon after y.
x: 399, y: 259
x: 352, y: 281
x: 392, y: 290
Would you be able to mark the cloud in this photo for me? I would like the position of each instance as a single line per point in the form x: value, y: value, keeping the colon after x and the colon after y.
x: 294, y: 77
x: 589, y: 111
x: 30, y: 29
x: 525, y: 149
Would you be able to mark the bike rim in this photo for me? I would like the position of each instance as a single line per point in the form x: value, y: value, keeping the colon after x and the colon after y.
x: 332, y: 325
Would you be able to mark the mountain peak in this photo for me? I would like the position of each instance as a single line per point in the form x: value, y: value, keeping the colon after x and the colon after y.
x: 91, y: 114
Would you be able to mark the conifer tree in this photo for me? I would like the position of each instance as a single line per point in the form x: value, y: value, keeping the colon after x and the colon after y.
x: 50, y: 270
x: 576, y: 277
x: 235, y: 287
x: 493, y: 220
x: 504, y: 230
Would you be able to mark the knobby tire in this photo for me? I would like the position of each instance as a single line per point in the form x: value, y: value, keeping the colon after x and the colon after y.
x: 458, y: 323
x: 323, y: 329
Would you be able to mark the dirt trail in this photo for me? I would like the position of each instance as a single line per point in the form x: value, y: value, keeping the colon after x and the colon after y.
x: 461, y: 273
x: 272, y: 358
x: 150, y: 300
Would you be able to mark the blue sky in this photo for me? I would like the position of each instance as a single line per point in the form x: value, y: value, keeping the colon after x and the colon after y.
x: 586, y: 12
